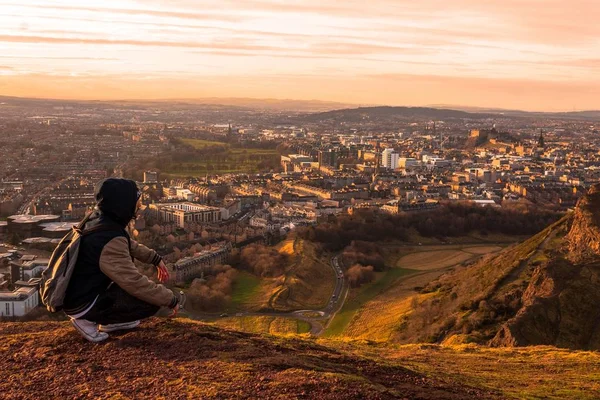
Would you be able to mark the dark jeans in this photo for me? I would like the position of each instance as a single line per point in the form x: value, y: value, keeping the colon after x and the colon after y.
x: 116, y: 306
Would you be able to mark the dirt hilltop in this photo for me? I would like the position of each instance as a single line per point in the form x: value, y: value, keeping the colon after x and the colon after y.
x: 180, y: 359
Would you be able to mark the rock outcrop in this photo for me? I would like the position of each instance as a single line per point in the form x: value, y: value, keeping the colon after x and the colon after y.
x: 561, y: 305
x: 584, y: 238
x: 544, y: 291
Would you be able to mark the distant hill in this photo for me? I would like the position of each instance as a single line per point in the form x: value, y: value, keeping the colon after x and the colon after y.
x: 305, y: 106
x: 314, y: 110
x: 544, y: 291
x: 586, y: 114
x: 364, y: 114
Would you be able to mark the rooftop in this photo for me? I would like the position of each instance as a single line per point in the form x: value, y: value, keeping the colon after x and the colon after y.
x: 21, y: 293
x: 31, y: 219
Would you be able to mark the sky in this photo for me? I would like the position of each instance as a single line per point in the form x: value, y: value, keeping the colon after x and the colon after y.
x: 518, y: 54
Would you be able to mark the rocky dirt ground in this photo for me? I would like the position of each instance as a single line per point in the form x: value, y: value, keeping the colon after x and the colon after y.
x: 177, y: 359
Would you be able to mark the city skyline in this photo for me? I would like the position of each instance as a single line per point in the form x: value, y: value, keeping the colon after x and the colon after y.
x: 529, y: 55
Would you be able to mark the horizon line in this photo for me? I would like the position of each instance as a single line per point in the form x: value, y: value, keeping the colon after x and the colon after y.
x: 484, y: 109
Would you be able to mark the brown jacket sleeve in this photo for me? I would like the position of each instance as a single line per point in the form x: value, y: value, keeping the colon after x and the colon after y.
x: 116, y: 263
x: 144, y: 254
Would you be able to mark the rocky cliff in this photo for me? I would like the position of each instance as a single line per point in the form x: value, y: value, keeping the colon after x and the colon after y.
x: 561, y: 303
x: 544, y: 291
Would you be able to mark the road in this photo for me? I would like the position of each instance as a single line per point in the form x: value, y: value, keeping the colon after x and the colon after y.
x: 318, y: 319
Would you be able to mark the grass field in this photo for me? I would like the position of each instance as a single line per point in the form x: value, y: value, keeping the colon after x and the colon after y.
x: 375, y: 311
x: 229, y: 160
x: 361, y: 296
x: 201, y: 144
x: 266, y: 324
x: 245, y: 289
x: 428, y: 260
x: 523, y: 373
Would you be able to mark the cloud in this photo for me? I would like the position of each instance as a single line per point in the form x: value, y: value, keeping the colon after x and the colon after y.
x: 188, y: 15
x: 128, y: 42
x: 315, y: 47
x: 15, y: 57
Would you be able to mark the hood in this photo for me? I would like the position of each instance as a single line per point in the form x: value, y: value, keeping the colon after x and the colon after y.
x: 117, y: 198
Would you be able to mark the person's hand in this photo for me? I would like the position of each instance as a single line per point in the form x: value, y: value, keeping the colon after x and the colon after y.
x: 174, y: 311
x: 163, y: 272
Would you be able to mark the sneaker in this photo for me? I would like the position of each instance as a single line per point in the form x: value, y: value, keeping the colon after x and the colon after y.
x: 89, y: 330
x: 118, y: 327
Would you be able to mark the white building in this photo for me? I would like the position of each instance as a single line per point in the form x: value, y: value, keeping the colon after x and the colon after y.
x: 389, y: 158
x: 18, y: 303
x: 185, y: 194
x: 182, y: 213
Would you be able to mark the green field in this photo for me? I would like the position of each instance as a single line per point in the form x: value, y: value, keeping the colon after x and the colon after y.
x: 265, y: 324
x: 303, y: 326
x: 365, y: 293
x: 245, y: 287
x: 201, y: 144
x: 236, y: 160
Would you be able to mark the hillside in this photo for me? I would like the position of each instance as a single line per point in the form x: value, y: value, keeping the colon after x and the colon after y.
x: 363, y: 114
x: 544, y: 291
x: 177, y: 359
x: 308, y: 281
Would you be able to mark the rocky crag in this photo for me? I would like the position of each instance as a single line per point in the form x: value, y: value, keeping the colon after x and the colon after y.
x: 544, y: 291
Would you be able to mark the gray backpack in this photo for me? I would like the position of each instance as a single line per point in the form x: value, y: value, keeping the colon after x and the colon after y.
x: 56, y: 277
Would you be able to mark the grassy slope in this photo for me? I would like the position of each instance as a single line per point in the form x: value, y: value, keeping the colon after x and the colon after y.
x: 246, y: 292
x: 265, y: 324
x: 458, y: 301
x: 524, y: 373
x: 374, y: 311
x: 308, y: 283
x: 361, y: 296
x: 309, y: 280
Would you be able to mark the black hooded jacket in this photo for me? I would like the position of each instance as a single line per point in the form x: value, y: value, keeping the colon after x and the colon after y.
x: 116, y: 207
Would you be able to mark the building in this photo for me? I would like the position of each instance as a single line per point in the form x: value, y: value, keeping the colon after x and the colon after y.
x: 295, y: 162
x: 151, y: 177
x: 27, y: 226
x: 185, y: 194
x: 328, y: 158
x: 192, y: 267
x: 207, y: 193
x: 19, y: 302
x: 389, y: 158
x: 408, y: 162
x: 182, y: 213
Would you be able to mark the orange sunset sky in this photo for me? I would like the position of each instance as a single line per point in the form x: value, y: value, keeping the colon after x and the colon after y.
x: 526, y: 54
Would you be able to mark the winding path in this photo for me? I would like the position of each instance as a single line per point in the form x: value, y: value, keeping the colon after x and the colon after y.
x: 317, y: 322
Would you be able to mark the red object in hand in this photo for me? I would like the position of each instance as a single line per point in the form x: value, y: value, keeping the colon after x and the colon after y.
x: 174, y: 311
x: 163, y: 273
